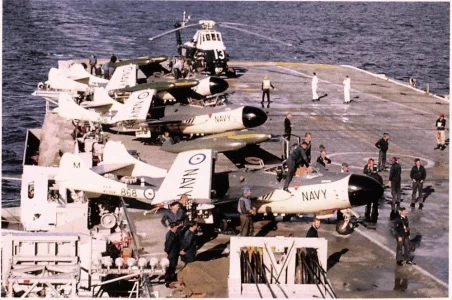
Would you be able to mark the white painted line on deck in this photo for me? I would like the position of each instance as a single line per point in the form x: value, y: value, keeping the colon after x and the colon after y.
x: 394, y: 254
x: 384, y: 77
x: 371, y: 95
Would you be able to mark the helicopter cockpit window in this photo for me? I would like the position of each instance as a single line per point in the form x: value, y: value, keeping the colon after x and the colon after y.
x: 214, y: 37
x: 208, y: 37
x: 218, y: 37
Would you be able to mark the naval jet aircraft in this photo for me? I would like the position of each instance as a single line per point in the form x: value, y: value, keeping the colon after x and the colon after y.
x: 129, y: 78
x: 322, y: 194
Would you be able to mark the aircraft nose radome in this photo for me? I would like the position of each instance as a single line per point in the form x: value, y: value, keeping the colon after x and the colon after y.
x: 217, y: 85
x: 253, y: 116
x: 363, y: 190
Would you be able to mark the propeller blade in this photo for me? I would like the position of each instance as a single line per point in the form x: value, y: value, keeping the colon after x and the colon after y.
x: 239, y: 24
x: 171, y: 31
x: 257, y: 34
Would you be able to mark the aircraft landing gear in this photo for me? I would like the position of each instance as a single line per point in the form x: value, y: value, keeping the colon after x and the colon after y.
x: 343, y: 225
x: 230, y: 73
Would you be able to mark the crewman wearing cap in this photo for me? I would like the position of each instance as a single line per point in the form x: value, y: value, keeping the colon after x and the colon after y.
x: 371, y: 213
x: 266, y: 85
x: 344, y: 168
x: 440, y: 133
x: 383, y: 145
x: 172, y: 249
x: 246, y: 211
x: 395, y: 179
x: 417, y: 175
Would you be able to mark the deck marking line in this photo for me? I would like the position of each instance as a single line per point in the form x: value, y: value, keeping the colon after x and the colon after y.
x: 371, y: 95
x: 393, y: 253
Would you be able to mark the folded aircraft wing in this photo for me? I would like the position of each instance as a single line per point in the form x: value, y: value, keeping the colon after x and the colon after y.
x: 190, y: 174
x: 78, y: 73
x: 136, y: 107
x: 100, y: 98
x: 252, y: 155
x: 68, y: 109
x: 122, y: 77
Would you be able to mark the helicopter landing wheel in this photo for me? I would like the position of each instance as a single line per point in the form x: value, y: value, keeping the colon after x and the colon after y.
x: 230, y: 73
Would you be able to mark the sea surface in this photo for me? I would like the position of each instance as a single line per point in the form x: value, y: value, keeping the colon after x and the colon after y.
x: 399, y: 39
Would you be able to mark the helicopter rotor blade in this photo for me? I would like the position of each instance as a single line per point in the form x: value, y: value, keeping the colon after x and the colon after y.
x: 238, y: 24
x: 171, y: 31
x: 257, y: 34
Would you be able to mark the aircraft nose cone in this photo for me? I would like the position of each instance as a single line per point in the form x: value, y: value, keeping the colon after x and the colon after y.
x: 363, y: 190
x: 253, y: 116
x: 217, y: 85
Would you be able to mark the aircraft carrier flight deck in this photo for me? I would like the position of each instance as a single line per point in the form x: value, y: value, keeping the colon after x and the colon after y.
x: 362, y: 264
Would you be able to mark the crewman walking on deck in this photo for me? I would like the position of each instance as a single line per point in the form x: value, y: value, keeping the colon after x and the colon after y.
x: 402, y: 229
x: 383, y: 145
x: 315, y: 81
x: 266, y: 85
x: 246, y: 211
x: 347, y: 84
x: 417, y: 175
x: 172, y: 249
x: 92, y: 63
x: 395, y: 181
x: 441, y: 133
x: 288, y: 126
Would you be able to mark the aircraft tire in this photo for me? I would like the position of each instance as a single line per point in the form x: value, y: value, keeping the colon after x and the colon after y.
x: 287, y: 217
x: 343, y: 231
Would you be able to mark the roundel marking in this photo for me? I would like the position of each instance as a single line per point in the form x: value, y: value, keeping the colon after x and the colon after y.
x: 127, y: 69
x: 197, y: 159
x: 149, y: 194
x: 143, y: 95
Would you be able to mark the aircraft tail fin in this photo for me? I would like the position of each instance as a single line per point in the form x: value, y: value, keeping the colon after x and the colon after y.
x: 136, y: 107
x: 116, y: 152
x: 68, y: 109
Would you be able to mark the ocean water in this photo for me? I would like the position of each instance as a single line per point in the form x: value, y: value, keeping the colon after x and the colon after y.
x: 399, y: 39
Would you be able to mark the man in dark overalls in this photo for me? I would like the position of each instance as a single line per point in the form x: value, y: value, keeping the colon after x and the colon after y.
x: 371, y: 214
x: 172, y: 249
x: 395, y: 180
x: 296, y: 158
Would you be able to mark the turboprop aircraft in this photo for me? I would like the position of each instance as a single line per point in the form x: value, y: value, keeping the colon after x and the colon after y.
x: 320, y: 194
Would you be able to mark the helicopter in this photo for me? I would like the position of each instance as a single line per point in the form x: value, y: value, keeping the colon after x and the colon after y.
x: 206, y: 50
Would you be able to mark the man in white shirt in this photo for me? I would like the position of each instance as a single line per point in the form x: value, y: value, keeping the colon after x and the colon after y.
x: 347, y: 83
x: 315, y: 81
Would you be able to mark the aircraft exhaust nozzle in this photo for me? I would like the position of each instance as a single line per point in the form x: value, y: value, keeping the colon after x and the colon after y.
x: 363, y: 190
x: 253, y: 116
x: 217, y: 85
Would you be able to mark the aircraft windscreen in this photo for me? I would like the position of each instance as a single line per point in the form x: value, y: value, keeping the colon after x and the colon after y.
x: 208, y: 37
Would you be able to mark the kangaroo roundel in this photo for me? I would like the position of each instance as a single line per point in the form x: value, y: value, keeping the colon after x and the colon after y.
x: 197, y: 159
x: 149, y: 194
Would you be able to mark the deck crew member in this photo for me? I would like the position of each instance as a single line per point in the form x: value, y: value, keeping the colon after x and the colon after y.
x: 371, y: 213
x: 246, y: 211
x: 383, y: 145
x: 172, y: 249
x: 312, y: 232
x: 395, y: 183
x: 402, y: 229
x: 307, y: 139
x: 266, y: 85
x: 417, y: 175
x: 441, y: 133
x: 322, y: 161
x: 98, y: 71
x: 314, y: 83
x: 297, y: 158
x: 106, y: 68
x: 173, y: 215
x: 345, y: 168
x: 288, y: 126
x: 92, y: 63
x: 188, y: 244
x: 347, y: 84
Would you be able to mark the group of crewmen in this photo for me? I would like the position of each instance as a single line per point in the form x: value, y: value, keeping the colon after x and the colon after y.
x: 301, y: 156
x: 180, y: 239
x: 106, y: 69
